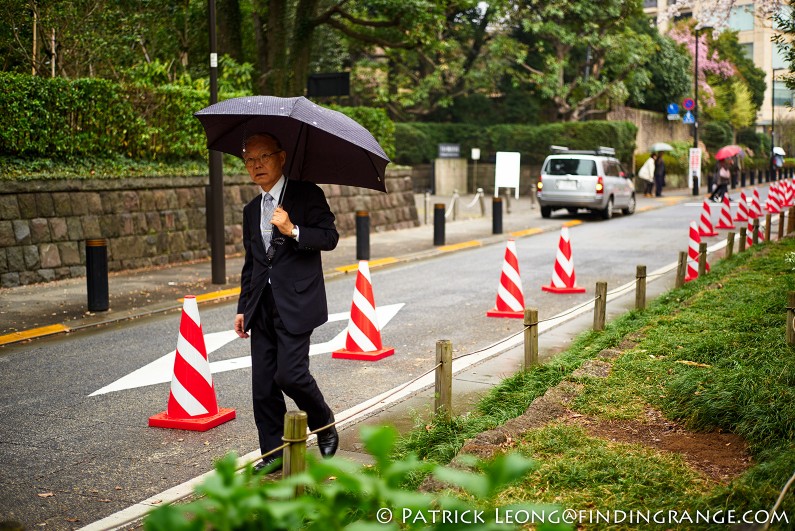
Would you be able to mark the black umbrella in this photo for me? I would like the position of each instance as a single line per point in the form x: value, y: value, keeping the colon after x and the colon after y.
x: 323, y: 146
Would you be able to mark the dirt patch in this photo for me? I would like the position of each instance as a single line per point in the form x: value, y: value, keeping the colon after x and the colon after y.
x: 718, y: 456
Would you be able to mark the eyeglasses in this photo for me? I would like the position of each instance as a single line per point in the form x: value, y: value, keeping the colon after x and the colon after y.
x: 262, y: 159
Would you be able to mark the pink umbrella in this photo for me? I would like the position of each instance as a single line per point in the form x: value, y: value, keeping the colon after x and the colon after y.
x: 727, y: 151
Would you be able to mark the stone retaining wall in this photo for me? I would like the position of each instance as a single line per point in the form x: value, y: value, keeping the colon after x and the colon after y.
x: 151, y: 222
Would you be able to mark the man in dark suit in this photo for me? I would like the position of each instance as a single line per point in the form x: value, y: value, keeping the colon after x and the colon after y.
x: 282, y: 293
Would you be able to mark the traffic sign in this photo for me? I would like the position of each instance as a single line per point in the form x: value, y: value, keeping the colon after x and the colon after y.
x: 672, y: 108
x: 689, y: 104
x: 688, y: 118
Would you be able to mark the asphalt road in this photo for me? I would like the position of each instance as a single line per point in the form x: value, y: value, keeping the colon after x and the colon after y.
x: 69, y: 458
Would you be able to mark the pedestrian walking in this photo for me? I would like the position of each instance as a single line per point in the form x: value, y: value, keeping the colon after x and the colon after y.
x: 282, y: 294
x: 646, y: 173
x: 659, y: 175
x: 724, y: 178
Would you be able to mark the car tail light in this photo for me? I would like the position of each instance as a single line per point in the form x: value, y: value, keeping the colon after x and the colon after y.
x: 539, y: 185
x: 600, y: 185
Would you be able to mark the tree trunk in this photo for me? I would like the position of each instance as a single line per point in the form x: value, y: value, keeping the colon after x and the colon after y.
x: 276, y: 74
x: 230, y: 41
x: 262, y: 50
x: 301, y: 45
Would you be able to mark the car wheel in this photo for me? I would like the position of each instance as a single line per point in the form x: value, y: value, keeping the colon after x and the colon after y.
x: 630, y: 207
x: 546, y: 211
x: 607, y: 213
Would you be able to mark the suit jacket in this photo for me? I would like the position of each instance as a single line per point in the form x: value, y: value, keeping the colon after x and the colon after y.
x: 296, y: 271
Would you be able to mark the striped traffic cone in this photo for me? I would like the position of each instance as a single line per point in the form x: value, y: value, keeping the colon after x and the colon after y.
x: 788, y: 199
x: 692, y: 253
x: 563, y: 277
x: 705, y: 223
x: 773, y: 201
x: 742, y: 208
x: 755, y: 210
x: 363, y: 341
x: 725, y: 221
x: 510, y: 299
x: 191, y: 402
x: 749, y: 233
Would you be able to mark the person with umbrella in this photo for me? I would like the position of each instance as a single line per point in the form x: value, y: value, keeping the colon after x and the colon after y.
x: 282, y: 293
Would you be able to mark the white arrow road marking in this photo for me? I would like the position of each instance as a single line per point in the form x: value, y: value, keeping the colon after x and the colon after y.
x: 160, y: 370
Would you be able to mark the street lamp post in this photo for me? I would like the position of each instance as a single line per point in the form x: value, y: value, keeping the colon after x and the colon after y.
x: 695, y: 109
x: 773, y: 123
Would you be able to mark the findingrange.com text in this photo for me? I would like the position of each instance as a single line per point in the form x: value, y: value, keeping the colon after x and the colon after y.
x: 578, y: 517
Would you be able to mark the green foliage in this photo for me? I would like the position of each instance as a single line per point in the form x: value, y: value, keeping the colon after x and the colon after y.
x: 716, y: 135
x: 58, y: 119
x: 728, y: 47
x: 670, y: 75
x: 758, y: 143
x: 531, y: 141
x: 342, y: 495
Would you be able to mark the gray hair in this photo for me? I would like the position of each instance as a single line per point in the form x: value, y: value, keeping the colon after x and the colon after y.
x: 262, y: 135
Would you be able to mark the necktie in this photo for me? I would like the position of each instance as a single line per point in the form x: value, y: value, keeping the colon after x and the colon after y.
x: 265, y: 223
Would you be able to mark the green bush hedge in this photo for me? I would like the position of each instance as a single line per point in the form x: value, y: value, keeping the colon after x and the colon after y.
x: 416, y: 143
x: 64, y: 119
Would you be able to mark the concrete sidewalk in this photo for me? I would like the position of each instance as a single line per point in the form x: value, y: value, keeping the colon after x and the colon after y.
x: 37, y: 310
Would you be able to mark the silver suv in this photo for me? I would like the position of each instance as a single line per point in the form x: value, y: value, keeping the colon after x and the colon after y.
x: 592, y: 180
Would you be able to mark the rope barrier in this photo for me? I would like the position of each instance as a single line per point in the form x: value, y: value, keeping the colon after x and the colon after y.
x: 484, y: 349
x: 452, y: 205
x: 475, y: 200
x: 571, y: 310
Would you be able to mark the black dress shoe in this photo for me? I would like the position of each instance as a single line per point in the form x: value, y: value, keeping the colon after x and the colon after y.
x: 268, y: 465
x: 328, y: 440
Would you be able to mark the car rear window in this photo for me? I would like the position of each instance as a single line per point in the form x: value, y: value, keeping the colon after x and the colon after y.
x: 570, y: 167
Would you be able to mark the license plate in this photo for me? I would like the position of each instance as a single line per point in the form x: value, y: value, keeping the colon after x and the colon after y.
x: 567, y: 185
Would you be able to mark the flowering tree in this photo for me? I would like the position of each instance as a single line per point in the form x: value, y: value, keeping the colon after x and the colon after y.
x: 716, y: 13
x: 708, y: 60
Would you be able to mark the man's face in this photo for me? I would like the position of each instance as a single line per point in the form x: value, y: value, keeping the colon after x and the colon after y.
x: 264, y: 162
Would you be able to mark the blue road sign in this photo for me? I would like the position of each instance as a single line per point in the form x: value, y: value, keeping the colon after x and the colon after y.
x: 688, y: 118
x: 672, y: 108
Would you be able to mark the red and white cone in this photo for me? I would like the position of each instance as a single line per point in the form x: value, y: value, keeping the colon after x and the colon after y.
x: 787, y: 187
x: 773, y: 201
x: 725, y: 220
x: 705, y: 227
x: 191, y: 402
x: 742, y: 208
x: 749, y: 233
x: 363, y: 341
x: 510, y: 299
x: 756, y: 207
x: 563, y: 277
x: 692, y: 253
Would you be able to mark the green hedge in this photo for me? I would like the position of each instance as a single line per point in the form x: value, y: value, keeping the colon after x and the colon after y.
x: 65, y: 119
x: 416, y: 143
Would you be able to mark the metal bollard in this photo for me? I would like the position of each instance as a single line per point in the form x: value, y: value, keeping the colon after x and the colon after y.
x: 438, y: 224
x: 496, y: 215
x: 600, y: 306
x: 640, y: 287
x: 530, y: 337
x: 443, y: 395
x: 97, y: 274
x: 362, y: 235
x: 695, y: 185
x: 742, y: 179
x: 729, y: 244
x: 751, y: 175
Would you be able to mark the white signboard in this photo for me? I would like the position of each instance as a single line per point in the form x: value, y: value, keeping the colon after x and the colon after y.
x: 506, y: 172
x: 694, y: 166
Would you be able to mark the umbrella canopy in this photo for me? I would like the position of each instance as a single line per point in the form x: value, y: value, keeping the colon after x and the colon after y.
x: 728, y: 151
x: 778, y: 151
x: 660, y: 146
x: 323, y: 146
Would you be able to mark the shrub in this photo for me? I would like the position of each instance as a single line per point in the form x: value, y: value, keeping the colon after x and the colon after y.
x: 716, y: 135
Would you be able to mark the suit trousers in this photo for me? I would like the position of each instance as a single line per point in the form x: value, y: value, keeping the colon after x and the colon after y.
x: 280, y: 363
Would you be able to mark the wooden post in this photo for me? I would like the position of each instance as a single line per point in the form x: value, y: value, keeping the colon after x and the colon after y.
x: 729, y: 244
x: 791, y: 220
x: 791, y: 318
x: 294, y: 461
x: 768, y: 222
x: 600, y: 306
x: 755, y: 233
x: 443, y: 395
x: 530, y: 337
x: 743, y: 239
x: 640, y: 287
x: 681, y: 269
x: 780, y: 225
x: 702, y: 259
